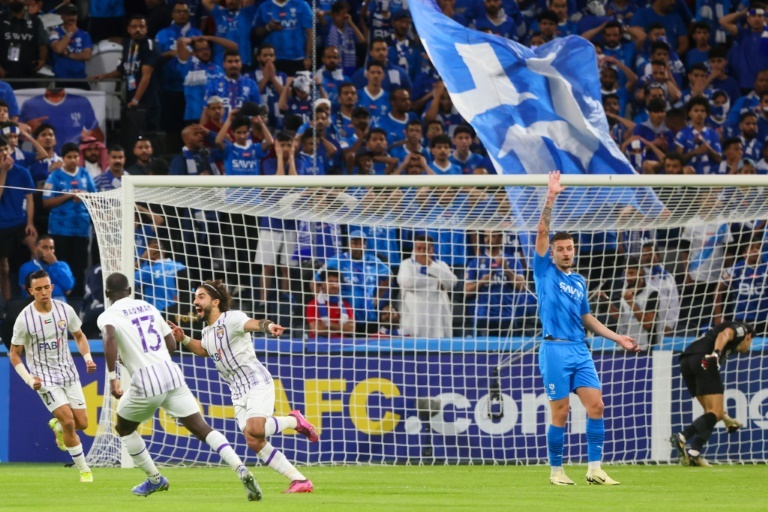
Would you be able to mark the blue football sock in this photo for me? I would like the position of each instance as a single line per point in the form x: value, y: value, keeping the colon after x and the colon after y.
x: 555, y: 440
x: 595, y: 439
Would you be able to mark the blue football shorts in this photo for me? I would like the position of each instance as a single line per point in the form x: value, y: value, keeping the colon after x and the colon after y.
x: 566, y: 366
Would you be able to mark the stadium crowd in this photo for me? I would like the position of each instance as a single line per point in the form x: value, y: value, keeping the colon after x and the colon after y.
x: 227, y: 88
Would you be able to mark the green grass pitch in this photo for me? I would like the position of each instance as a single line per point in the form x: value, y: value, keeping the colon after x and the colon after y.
x: 48, y: 487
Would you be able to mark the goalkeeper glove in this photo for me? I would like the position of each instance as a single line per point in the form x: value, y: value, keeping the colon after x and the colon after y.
x: 711, y: 360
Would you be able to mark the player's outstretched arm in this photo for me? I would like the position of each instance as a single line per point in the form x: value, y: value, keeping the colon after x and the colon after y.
x: 85, y: 350
x: 195, y: 346
x: 542, y: 235
x: 265, y: 326
x: 596, y: 326
x: 110, y: 355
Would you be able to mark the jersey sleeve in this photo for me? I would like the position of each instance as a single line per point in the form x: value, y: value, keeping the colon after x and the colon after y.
x: 236, y: 321
x: 20, y: 332
x: 104, y: 319
x: 73, y: 321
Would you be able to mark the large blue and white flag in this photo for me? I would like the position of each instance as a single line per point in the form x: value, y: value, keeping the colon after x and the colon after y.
x: 534, y: 109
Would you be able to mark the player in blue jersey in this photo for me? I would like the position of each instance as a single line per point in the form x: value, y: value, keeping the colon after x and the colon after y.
x: 564, y: 359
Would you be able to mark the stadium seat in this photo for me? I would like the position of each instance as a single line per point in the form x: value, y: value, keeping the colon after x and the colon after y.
x: 106, y: 56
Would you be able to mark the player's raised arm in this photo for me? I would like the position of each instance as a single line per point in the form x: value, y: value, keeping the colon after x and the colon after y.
x: 542, y: 234
x: 194, y: 346
x: 265, y: 326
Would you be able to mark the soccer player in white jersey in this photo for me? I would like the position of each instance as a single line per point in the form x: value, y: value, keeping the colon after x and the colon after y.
x: 227, y: 340
x: 41, y: 330
x: 134, y: 329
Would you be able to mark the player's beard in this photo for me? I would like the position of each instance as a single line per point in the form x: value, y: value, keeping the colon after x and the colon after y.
x: 205, y: 314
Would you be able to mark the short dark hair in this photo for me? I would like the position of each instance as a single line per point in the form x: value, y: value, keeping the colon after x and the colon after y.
x: 654, y: 26
x: 703, y: 102
x: 115, y: 147
x: 137, y: 17
x: 423, y: 237
x: 413, y: 122
x: 231, y: 53
x: 283, y: 136
x: 730, y: 142
x: 5, y: 104
x: 440, y: 139
x: 378, y: 40
x: 218, y: 290
x: 660, y: 45
x: 262, y: 47
x: 634, y: 262
x: 37, y: 274
x: 325, y: 274
x: 360, y: 112
x: 40, y: 129
x: 117, y: 282
x: 548, y: 15
x: 699, y: 66
x: 561, y: 235
x: 718, y: 52
x: 339, y: 6
x: 239, y: 122
x: 376, y: 63
x: 612, y: 24
x: 674, y: 155
x: 344, y: 85
x: 463, y: 129
x: 69, y: 147
x: 700, y: 25
x: 745, y: 115
x: 381, y: 131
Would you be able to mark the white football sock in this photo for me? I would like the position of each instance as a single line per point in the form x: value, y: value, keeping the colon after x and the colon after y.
x: 219, y: 443
x: 278, y: 424
x: 137, y: 449
x: 76, y: 452
x: 592, y: 466
x: 275, y: 459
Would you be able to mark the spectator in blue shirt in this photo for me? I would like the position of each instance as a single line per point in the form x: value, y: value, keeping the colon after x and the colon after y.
x: 441, y: 109
x: 394, y: 76
x: 111, y: 178
x: 404, y: 51
x: 69, y: 222
x: 71, y: 47
x: 747, y: 281
x: 750, y: 55
x: 45, y: 259
x: 495, y: 288
x: 241, y: 156
x: 718, y: 74
x: 157, y: 277
x: 441, y: 165
x: 468, y: 162
x: 753, y: 146
x: 698, y: 144
x: 8, y: 102
x: 414, y: 133
x: 234, y: 23
x: 17, y: 212
x: 344, y: 35
x: 395, y: 122
x: 270, y: 81
x: 331, y: 75
x: 365, y: 281
x: 233, y: 88
x: 494, y: 20
x: 664, y: 12
x: 655, y: 130
x: 373, y: 97
x: 196, y: 70
x: 700, y: 34
x: 748, y: 102
x: 288, y: 27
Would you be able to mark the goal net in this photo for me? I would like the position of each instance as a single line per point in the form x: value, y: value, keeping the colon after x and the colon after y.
x: 411, y: 315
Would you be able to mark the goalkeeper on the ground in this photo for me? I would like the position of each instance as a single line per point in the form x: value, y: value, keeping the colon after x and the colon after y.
x: 700, y: 367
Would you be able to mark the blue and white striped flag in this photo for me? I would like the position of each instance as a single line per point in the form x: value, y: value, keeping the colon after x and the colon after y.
x: 534, y: 109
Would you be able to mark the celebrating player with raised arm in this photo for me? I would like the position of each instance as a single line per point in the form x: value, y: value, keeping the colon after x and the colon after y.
x: 134, y: 329
x: 564, y: 358
x: 41, y: 331
x: 227, y: 340
x: 700, y: 366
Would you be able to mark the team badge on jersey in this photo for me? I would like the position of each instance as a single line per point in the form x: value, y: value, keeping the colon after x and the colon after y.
x: 220, y: 332
x: 740, y: 331
x: 62, y: 324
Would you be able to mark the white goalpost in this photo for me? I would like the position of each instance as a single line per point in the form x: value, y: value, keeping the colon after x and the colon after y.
x: 410, y: 309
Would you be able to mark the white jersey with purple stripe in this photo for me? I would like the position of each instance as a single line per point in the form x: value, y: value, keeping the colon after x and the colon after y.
x: 140, y: 333
x: 44, y: 337
x: 231, y: 349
